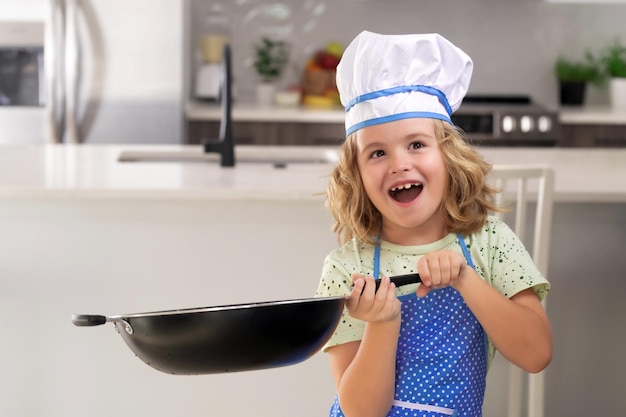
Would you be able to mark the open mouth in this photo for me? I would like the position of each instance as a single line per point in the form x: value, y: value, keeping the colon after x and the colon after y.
x: 406, y: 192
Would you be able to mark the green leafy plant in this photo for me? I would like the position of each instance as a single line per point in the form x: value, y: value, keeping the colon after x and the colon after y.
x: 615, y: 60
x: 588, y: 69
x: 271, y: 59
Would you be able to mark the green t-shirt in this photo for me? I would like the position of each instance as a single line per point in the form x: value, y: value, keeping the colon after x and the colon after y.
x: 498, y: 255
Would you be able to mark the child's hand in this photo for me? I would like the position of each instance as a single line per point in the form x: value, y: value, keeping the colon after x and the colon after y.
x: 439, y: 269
x: 367, y: 304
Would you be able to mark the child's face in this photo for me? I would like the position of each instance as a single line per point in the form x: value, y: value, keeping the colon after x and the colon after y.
x: 405, y: 177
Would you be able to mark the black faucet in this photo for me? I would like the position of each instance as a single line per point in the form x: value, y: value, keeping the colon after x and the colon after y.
x: 225, y: 146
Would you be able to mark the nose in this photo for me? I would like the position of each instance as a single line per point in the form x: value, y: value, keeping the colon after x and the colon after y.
x: 399, y: 162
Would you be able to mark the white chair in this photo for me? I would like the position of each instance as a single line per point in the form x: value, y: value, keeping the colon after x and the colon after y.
x: 521, y: 185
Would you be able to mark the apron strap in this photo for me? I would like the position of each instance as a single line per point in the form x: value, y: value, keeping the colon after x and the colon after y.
x: 466, y: 253
x: 377, y: 258
x: 468, y: 256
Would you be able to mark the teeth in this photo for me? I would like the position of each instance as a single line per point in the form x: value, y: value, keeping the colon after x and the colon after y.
x: 405, y: 186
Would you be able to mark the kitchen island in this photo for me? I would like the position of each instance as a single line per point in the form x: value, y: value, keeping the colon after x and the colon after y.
x: 83, y: 232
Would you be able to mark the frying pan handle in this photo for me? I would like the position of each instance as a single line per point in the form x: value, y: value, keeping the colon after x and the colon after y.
x: 88, y: 320
x: 400, y: 280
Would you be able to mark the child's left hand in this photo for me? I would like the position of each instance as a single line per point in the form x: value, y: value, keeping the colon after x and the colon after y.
x: 439, y: 269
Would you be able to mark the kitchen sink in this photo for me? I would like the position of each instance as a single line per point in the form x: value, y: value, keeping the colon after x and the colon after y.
x: 276, y: 155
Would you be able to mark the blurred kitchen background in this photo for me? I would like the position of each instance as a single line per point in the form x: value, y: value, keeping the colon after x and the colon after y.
x: 138, y: 72
x: 139, y: 62
x: 513, y: 43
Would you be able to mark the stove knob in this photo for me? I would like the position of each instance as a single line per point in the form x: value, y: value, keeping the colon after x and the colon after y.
x: 508, y: 124
x: 544, y: 124
x: 526, y: 124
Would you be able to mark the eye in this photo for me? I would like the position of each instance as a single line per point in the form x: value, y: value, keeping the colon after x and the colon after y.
x: 377, y: 154
x: 416, y: 145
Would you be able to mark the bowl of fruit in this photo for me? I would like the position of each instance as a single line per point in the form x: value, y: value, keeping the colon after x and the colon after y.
x: 319, y: 88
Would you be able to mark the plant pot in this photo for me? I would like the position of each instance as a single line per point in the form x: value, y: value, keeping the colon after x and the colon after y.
x: 265, y: 94
x: 572, y: 93
x: 617, y: 91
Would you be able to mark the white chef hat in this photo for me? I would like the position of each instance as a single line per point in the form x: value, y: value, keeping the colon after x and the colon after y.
x: 382, y: 78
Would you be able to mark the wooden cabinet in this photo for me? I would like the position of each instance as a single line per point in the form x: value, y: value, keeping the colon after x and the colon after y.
x: 593, y: 136
x: 270, y: 133
x: 587, y: 127
x: 332, y: 134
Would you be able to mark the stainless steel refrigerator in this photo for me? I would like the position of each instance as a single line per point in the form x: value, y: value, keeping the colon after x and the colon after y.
x: 112, y: 71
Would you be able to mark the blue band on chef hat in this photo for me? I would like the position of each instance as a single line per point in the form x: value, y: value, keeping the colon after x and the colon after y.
x: 402, y: 89
x: 398, y: 116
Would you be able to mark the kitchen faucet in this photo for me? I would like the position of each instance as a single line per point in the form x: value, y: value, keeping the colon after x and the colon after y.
x: 225, y: 146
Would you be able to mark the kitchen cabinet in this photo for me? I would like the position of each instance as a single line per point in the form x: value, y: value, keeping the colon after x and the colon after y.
x: 593, y: 126
x: 253, y: 125
x: 267, y: 125
x: 594, y: 136
x: 111, y: 255
x: 588, y: 135
x: 270, y: 133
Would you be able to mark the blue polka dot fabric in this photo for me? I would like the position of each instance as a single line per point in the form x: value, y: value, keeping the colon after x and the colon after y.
x: 442, y: 355
x: 441, y: 359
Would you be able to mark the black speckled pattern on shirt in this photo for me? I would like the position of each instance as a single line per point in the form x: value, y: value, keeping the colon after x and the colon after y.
x: 499, y: 258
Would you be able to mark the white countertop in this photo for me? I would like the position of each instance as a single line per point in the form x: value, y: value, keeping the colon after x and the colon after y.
x: 93, y: 171
x: 244, y: 112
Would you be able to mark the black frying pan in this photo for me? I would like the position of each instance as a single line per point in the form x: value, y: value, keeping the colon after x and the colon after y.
x: 231, y: 338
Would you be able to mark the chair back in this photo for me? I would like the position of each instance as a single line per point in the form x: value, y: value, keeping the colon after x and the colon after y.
x: 521, y: 186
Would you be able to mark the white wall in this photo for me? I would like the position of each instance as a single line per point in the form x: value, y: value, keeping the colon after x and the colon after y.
x: 23, y: 10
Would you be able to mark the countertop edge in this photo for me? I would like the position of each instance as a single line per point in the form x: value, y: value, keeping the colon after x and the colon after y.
x: 143, y: 195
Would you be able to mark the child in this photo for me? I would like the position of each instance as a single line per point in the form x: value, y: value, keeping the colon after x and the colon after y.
x: 409, y: 195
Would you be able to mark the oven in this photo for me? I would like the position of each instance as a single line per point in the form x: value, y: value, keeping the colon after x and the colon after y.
x: 507, y: 120
x: 22, y: 92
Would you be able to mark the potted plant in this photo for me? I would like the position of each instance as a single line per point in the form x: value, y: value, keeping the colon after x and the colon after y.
x: 270, y: 61
x: 574, y: 75
x: 615, y: 67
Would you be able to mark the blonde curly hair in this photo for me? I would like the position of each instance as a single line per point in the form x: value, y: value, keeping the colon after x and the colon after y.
x: 465, y: 206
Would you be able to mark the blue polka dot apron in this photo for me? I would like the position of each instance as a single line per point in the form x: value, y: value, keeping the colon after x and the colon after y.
x: 441, y: 361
